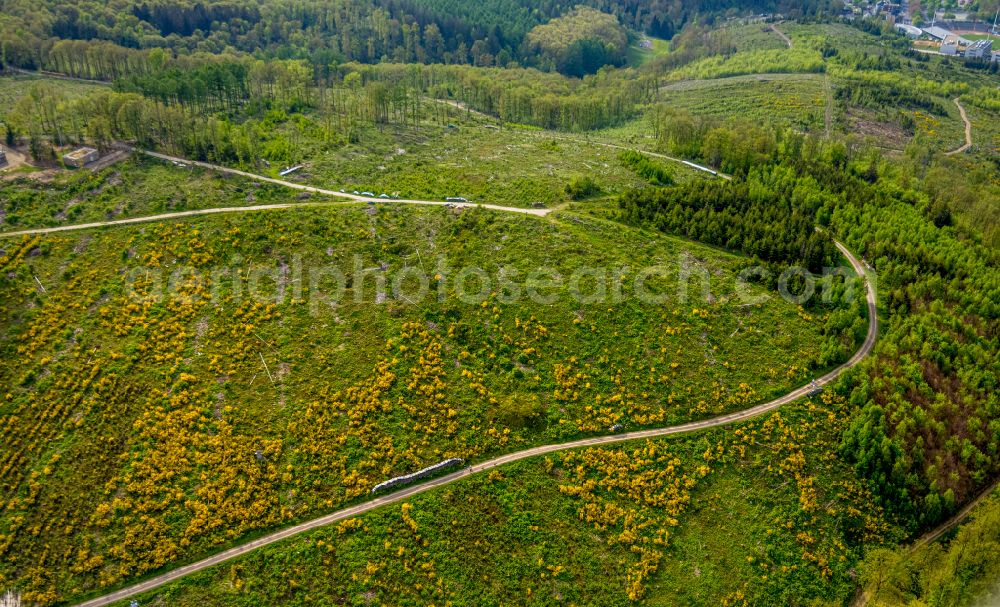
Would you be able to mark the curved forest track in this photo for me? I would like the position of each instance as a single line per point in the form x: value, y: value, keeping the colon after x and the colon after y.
x: 968, y: 130
x: 782, y: 35
x: 478, y: 468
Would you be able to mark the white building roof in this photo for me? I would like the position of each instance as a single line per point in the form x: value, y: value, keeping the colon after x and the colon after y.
x: 937, y: 32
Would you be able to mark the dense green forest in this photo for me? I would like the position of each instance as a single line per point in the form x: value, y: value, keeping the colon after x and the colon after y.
x: 765, y: 223
x: 402, y: 31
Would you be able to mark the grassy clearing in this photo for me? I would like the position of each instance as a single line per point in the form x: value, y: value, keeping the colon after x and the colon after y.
x: 167, y: 426
x: 515, y: 167
x: 469, y: 157
x: 751, y: 37
x: 639, y: 55
x: 938, y: 132
x: 943, y: 133
x: 985, y: 129
x: 771, y: 61
x: 797, y: 100
x: 844, y: 34
x: 408, y: 164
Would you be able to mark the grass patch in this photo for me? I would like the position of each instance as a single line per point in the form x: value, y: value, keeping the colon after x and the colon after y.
x: 645, y: 49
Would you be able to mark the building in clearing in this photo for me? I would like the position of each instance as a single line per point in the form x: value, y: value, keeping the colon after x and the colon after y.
x: 980, y: 49
x: 81, y: 157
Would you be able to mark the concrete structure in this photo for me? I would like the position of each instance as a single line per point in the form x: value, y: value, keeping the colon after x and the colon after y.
x: 949, y: 46
x: 980, y: 49
x: 81, y: 157
x: 3, y: 158
x: 909, y: 30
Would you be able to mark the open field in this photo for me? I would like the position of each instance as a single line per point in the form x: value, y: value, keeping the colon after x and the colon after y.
x: 333, y: 396
x: 985, y: 129
x: 753, y: 37
x: 796, y: 100
x: 516, y: 167
x: 976, y: 36
x: 132, y: 188
x: 942, y: 132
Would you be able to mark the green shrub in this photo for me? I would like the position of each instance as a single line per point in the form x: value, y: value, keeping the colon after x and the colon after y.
x: 644, y: 167
x: 582, y: 187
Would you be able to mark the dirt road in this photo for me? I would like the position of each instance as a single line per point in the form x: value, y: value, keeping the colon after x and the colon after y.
x: 262, y: 207
x: 781, y: 34
x: 968, y: 130
x: 14, y: 158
